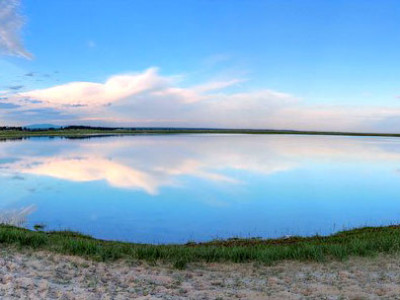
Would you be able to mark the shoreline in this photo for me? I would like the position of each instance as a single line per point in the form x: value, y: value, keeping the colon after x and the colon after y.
x: 361, y: 263
x: 361, y: 242
x: 32, y: 268
x: 76, y: 133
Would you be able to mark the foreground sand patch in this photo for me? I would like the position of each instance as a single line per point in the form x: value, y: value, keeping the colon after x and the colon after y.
x: 42, y: 275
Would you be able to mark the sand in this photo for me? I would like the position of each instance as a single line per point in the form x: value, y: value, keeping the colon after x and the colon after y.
x: 42, y: 275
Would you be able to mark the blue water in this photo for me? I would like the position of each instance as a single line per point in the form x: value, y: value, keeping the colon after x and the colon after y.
x: 179, y: 188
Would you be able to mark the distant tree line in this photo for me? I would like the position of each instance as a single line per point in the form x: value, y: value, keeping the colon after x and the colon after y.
x: 11, y: 128
x: 101, y: 128
x: 104, y: 128
x: 17, y: 128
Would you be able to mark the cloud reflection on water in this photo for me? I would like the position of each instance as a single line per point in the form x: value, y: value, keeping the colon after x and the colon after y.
x: 148, y: 163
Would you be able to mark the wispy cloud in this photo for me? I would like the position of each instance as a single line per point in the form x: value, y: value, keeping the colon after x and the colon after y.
x: 15, y: 87
x: 217, y: 85
x: 11, y: 23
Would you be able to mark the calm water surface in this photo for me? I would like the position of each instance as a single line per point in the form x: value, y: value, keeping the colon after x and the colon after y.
x: 176, y: 188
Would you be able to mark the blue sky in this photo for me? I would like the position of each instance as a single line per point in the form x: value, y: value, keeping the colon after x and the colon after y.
x: 303, y: 64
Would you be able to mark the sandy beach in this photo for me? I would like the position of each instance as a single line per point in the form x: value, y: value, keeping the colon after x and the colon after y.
x: 43, y: 275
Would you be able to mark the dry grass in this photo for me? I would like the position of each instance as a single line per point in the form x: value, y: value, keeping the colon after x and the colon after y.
x: 44, y: 275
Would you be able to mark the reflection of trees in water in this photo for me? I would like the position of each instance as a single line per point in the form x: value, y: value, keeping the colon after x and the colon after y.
x: 66, y: 137
x: 16, y: 217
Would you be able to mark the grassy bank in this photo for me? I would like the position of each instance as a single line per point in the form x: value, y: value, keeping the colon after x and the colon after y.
x: 367, y: 241
x: 84, y: 132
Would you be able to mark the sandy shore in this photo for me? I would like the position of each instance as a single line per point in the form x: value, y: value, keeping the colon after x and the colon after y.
x: 41, y: 275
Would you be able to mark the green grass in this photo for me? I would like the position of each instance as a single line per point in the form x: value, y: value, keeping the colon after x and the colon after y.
x: 71, y: 133
x: 368, y: 241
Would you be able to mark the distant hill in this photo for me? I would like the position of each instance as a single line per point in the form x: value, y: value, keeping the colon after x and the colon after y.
x: 41, y: 126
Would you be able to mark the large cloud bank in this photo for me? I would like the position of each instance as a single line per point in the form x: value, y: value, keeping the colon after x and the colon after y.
x: 150, y: 99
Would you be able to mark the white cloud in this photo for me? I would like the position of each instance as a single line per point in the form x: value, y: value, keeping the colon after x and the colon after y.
x: 10, y: 26
x: 216, y: 85
x: 149, y: 99
x: 97, y: 94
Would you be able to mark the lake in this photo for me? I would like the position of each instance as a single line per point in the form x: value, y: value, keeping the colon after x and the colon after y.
x: 179, y: 188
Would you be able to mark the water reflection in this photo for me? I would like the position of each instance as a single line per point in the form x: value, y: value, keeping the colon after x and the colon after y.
x: 146, y: 163
x: 243, y: 175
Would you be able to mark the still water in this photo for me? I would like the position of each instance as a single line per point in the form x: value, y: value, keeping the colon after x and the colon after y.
x: 179, y: 188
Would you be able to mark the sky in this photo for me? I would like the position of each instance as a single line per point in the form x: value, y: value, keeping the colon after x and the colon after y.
x: 288, y: 64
